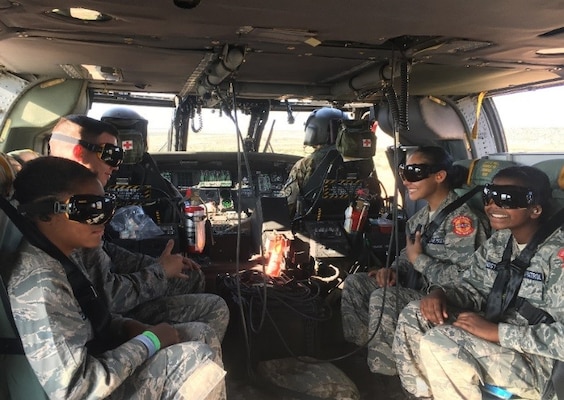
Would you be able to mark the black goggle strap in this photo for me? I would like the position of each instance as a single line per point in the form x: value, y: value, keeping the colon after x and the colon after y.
x: 508, y: 195
x: 110, y: 154
x: 38, y: 207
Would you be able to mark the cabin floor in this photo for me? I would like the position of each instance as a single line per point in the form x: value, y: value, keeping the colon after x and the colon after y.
x: 321, y: 340
x: 370, y: 386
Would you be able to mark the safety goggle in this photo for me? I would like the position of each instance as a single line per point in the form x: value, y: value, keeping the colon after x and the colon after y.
x: 417, y: 172
x: 84, y: 208
x: 508, y: 196
x: 88, y: 209
x: 107, y: 152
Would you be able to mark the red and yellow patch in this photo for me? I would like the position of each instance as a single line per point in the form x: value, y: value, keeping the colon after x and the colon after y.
x: 462, y: 225
x: 561, y: 256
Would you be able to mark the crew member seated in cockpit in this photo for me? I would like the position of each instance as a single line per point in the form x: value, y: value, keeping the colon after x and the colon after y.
x: 321, y: 132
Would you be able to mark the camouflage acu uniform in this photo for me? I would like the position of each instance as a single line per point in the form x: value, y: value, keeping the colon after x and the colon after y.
x: 54, y: 334
x: 449, y: 363
x: 135, y: 286
x: 300, y: 173
x: 445, y: 257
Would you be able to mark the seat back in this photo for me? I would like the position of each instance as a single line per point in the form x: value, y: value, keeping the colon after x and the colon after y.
x: 480, y: 172
x: 554, y: 169
x: 17, y: 378
x: 340, y: 186
x: 139, y: 182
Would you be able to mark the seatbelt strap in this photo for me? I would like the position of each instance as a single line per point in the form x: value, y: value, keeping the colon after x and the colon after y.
x: 557, y: 380
x: 537, y: 316
x: 319, y: 174
x: 9, y: 345
x: 495, y: 297
x: 510, y: 273
x: 93, y: 306
x: 413, y: 277
x: 311, y: 192
x: 440, y: 217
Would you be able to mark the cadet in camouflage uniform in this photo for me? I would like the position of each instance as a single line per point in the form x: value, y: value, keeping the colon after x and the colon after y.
x: 440, y: 262
x: 448, y: 354
x: 51, y: 324
x: 138, y: 286
x: 64, y: 143
x: 137, y: 291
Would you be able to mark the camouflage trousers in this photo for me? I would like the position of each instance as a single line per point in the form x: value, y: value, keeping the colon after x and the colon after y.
x: 447, y: 362
x: 196, y: 283
x: 366, y: 308
x: 355, y: 299
x: 181, y: 371
x: 208, y: 308
x: 385, y: 306
x: 203, y: 333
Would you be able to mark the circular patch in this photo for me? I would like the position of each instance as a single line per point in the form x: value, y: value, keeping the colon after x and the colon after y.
x: 462, y: 225
x: 561, y: 256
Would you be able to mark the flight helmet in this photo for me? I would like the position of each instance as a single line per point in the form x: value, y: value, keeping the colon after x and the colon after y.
x: 126, y: 121
x: 322, y: 125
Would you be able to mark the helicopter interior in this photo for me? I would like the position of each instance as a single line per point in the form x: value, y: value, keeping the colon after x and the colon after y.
x: 425, y: 71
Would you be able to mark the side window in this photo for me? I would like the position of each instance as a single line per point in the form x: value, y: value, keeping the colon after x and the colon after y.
x: 532, y: 120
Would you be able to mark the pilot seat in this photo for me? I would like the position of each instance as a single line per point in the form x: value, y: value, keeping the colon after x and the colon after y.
x: 342, y: 189
x: 138, y: 182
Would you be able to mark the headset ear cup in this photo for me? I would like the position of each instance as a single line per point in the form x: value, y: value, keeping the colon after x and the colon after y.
x: 77, y: 152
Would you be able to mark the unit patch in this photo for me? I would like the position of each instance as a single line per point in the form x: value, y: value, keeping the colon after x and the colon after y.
x: 561, y: 256
x: 462, y: 225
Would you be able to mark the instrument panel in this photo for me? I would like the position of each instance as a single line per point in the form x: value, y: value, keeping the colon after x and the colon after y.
x: 264, y: 176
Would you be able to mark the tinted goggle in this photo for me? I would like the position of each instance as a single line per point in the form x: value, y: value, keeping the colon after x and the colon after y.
x: 109, y: 153
x: 417, y: 172
x: 508, y: 196
x: 84, y: 208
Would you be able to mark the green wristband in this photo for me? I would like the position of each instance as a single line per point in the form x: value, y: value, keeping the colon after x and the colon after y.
x: 153, y: 339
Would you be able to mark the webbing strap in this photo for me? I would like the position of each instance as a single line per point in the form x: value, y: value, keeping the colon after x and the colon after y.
x: 9, y: 345
x: 413, y: 277
x: 510, y: 274
x: 311, y: 192
x: 557, y: 379
x: 440, y: 217
x: 316, y: 178
x: 494, y: 305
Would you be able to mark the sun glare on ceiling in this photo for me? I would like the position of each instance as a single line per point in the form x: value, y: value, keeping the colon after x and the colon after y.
x: 82, y: 14
x: 555, y: 51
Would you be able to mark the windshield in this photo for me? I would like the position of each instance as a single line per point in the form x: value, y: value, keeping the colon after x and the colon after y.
x: 217, y: 132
